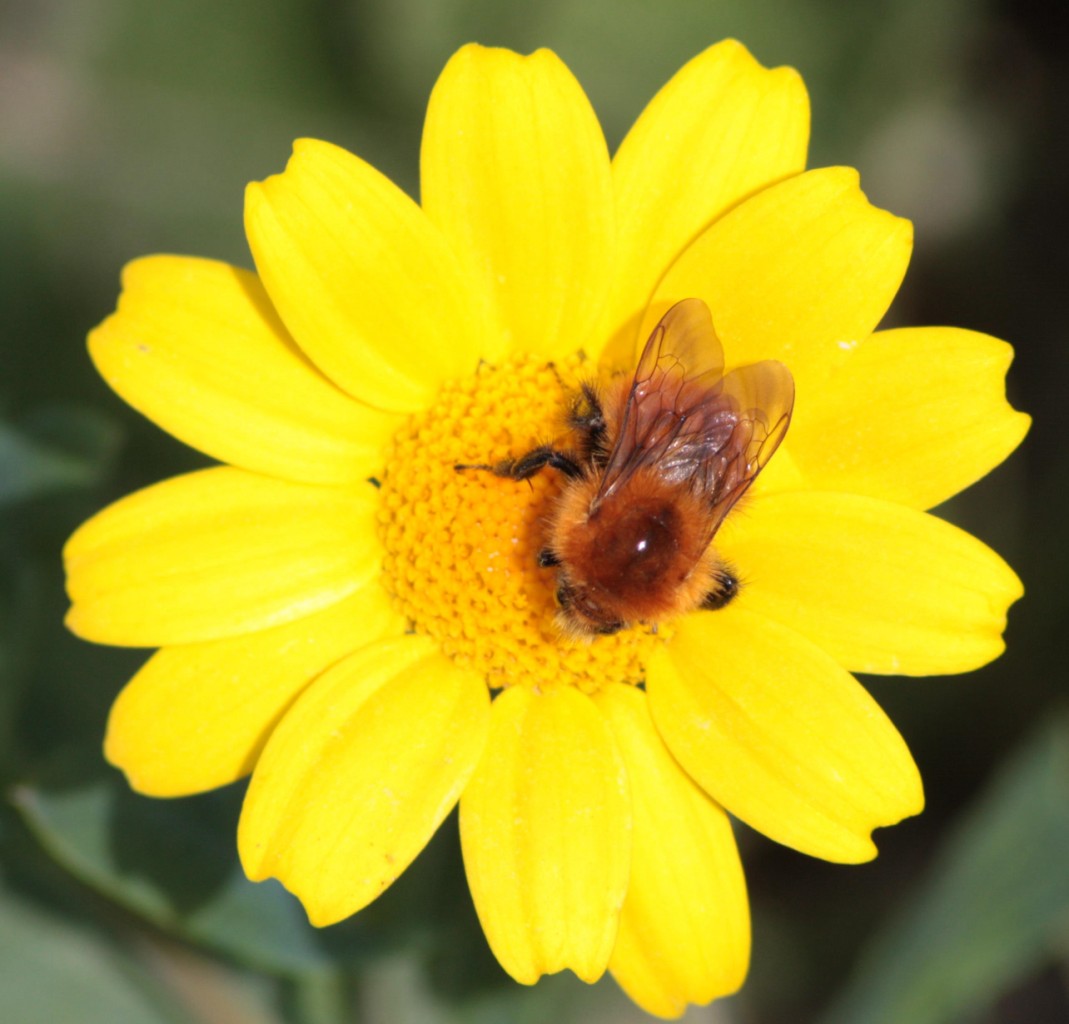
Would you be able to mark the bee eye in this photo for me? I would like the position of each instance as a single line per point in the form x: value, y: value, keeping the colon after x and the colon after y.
x: 564, y: 597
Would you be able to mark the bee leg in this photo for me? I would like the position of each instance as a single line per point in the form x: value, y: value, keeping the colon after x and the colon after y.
x: 546, y: 559
x: 527, y: 465
x: 587, y: 419
x: 727, y: 588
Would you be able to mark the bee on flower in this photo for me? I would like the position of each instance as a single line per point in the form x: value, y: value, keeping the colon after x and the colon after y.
x: 657, y: 472
x: 637, y: 605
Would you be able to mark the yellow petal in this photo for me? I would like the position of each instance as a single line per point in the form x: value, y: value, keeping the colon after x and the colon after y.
x: 197, y: 716
x: 722, y: 128
x: 365, y: 283
x: 914, y: 416
x: 780, y: 735
x: 197, y: 347
x: 685, y: 928
x: 545, y: 828
x: 216, y: 553
x: 880, y: 587
x: 515, y: 171
x: 781, y: 474
x: 360, y: 773
x: 799, y: 272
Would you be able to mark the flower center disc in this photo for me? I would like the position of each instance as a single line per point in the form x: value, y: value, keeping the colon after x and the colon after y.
x: 462, y: 545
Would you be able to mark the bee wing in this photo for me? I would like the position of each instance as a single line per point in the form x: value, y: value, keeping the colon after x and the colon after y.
x: 681, y: 362
x: 685, y: 336
x: 696, y: 427
x: 758, y: 400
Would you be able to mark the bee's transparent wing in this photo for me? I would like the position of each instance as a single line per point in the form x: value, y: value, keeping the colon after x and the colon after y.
x: 695, y: 427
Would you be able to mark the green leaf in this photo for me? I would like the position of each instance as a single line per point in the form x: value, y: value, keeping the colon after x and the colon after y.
x: 992, y: 908
x: 60, y: 449
x: 51, y: 971
x: 174, y: 863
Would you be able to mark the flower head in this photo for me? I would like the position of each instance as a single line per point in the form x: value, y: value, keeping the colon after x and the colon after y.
x: 373, y: 634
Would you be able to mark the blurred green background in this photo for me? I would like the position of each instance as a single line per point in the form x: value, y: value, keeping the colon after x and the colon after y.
x: 130, y: 127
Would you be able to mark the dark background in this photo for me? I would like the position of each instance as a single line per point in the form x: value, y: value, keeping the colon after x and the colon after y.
x: 129, y: 128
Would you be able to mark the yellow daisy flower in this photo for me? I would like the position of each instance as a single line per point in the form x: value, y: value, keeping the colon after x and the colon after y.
x: 369, y: 631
